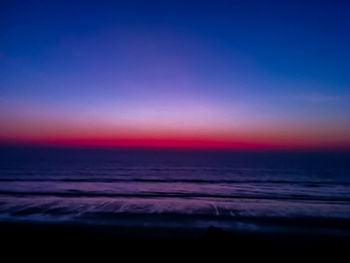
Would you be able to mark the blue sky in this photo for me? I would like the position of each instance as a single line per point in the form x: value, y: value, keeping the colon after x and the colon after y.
x: 235, y: 65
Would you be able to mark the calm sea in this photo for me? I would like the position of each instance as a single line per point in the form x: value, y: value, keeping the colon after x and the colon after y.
x: 248, y: 191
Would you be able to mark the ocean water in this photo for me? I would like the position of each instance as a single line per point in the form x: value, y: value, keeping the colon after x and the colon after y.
x: 238, y: 191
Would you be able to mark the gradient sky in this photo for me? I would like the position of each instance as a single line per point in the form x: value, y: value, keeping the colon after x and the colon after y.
x: 186, y: 74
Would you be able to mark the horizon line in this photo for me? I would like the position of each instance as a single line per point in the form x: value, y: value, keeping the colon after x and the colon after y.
x: 172, y: 148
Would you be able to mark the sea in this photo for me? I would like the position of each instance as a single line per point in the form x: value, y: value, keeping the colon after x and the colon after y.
x: 249, y: 191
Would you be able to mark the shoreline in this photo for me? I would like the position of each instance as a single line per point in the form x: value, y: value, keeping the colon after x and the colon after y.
x: 27, y: 234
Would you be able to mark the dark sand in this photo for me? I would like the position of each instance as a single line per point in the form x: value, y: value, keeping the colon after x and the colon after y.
x: 145, y: 242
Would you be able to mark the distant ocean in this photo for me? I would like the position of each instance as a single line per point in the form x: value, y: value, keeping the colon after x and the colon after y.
x: 236, y: 191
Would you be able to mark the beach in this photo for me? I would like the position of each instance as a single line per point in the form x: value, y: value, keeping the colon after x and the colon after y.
x: 174, y: 200
x: 158, y: 243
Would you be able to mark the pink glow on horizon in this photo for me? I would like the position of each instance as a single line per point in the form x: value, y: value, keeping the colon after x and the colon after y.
x: 198, y: 125
x: 248, y: 141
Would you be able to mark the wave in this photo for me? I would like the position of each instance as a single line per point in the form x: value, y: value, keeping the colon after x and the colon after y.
x: 116, y: 180
x: 76, y: 193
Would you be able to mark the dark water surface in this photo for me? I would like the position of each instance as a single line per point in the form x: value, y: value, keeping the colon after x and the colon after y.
x: 248, y: 191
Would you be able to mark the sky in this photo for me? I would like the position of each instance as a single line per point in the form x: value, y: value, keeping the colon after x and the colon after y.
x: 176, y: 74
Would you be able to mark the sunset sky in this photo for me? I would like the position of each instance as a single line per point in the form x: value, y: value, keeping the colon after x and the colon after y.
x: 176, y: 74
